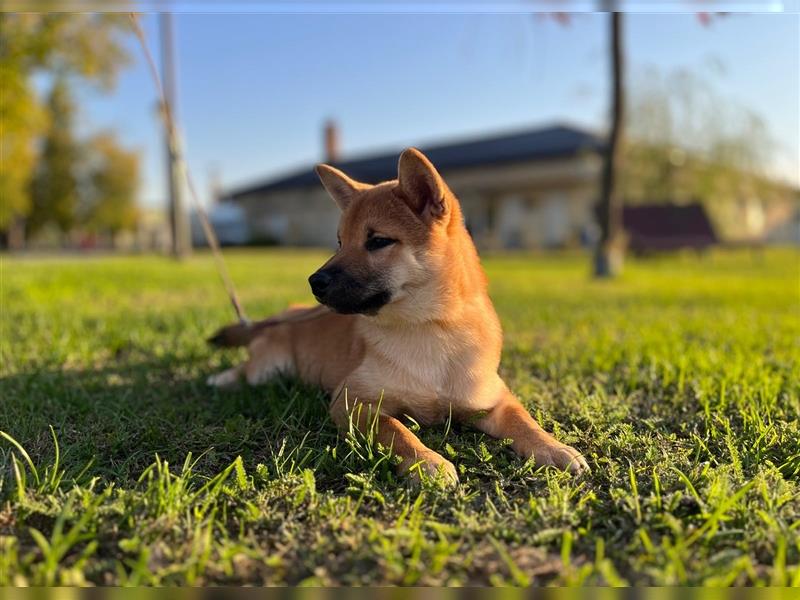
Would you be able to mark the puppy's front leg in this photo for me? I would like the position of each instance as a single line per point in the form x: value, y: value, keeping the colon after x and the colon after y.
x: 390, y: 432
x: 509, y: 419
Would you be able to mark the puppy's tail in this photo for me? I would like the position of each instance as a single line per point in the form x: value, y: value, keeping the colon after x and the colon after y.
x: 241, y: 334
x: 232, y: 336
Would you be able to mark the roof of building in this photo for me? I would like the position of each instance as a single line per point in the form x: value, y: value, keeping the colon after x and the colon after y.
x: 543, y: 143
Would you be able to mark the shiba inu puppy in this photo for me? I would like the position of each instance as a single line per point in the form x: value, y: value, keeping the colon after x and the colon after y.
x: 405, y: 326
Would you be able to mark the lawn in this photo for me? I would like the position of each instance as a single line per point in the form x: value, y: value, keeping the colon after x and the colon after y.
x: 680, y: 382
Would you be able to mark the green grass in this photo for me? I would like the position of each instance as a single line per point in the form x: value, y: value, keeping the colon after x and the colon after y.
x: 680, y: 382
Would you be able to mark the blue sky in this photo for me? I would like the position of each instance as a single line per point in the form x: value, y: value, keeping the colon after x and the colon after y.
x: 255, y: 89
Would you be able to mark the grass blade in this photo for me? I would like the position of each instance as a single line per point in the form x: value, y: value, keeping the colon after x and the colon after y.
x: 24, y: 454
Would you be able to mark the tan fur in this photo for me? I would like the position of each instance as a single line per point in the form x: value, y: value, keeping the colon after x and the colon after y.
x: 432, y: 351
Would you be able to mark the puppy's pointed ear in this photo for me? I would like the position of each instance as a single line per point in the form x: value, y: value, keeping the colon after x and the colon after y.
x: 339, y: 186
x: 421, y: 186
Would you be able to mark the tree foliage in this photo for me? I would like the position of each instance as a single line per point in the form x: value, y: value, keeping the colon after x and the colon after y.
x: 688, y: 142
x: 86, y: 46
x: 54, y: 189
x: 112, y: 179
x: 22, y: 119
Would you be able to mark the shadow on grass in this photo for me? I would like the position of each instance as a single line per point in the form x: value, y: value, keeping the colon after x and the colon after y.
x: 123, y: 415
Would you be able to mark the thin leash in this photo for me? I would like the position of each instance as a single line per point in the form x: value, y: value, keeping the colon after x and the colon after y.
x: 172, y: 137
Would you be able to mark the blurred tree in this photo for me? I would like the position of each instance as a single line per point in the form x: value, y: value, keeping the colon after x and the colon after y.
x: 22, y: 118
x: 54, y: 187
x: 75, y: 45
x: 609, y: 251
x: 687, y: 142
x: 112, y: 180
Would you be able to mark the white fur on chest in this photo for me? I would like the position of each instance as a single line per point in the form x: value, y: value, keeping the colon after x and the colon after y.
x: 426, y: 367
x: 416, y: 360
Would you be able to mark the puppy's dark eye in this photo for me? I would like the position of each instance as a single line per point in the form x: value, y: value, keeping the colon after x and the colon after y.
x: 376, y: 243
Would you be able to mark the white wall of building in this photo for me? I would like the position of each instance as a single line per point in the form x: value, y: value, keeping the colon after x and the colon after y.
x: 526, y: 205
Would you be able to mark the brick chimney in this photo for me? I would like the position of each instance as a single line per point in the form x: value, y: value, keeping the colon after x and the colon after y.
x: 331, y: 141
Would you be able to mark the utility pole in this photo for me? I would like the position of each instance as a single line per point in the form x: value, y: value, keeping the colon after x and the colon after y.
x: 214, y: 184
x: 178, y: 217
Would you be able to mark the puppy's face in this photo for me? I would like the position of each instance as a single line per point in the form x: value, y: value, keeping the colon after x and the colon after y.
x: 390, y: 235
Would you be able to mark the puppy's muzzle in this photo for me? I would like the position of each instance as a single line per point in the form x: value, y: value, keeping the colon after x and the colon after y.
x: 320, y: 282
x: 343, y: 293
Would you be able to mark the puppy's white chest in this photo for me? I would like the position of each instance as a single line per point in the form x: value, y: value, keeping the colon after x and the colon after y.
x: 426, y: 369
x: 418, y: 364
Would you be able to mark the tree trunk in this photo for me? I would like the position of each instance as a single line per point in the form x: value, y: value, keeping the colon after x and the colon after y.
x: 610, y: 248
x: 15, y: 236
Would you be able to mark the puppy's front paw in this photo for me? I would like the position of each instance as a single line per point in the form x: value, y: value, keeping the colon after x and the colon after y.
x: 434, y: 467
x: 561, y: 456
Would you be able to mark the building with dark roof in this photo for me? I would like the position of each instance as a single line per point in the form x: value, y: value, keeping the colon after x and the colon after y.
x: 529, y: 188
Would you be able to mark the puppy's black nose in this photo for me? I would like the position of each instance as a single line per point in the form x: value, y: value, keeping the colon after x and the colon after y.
x: 320, y: 281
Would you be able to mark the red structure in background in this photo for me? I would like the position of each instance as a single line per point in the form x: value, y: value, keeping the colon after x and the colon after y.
x: 661, y: 227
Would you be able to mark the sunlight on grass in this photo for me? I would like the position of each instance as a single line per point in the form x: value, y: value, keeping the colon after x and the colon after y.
x: 680, y: 382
